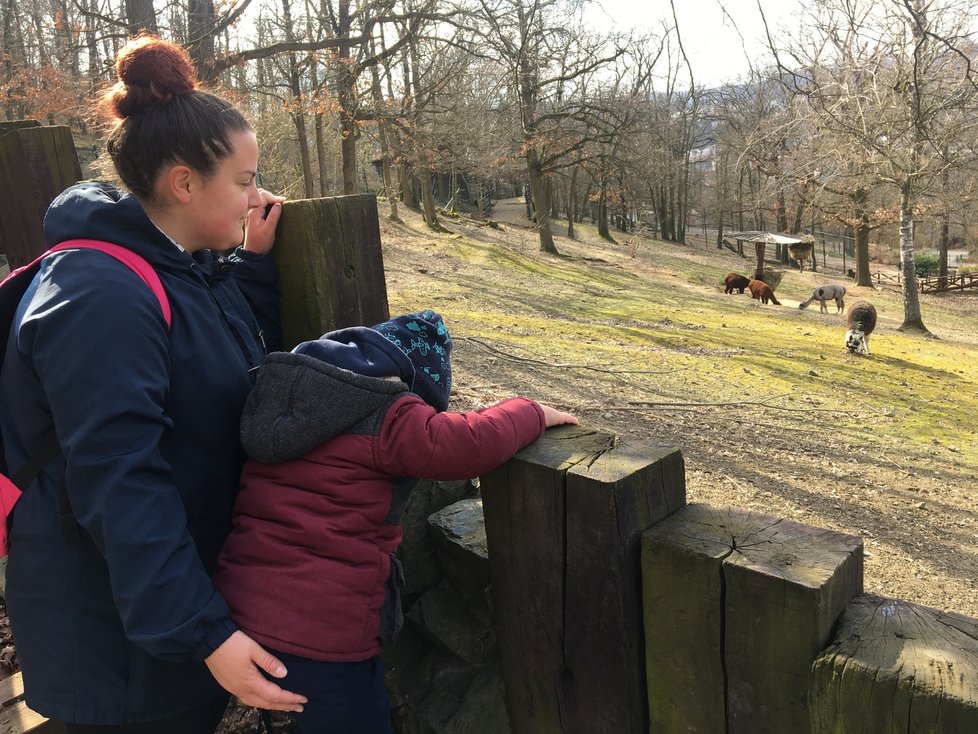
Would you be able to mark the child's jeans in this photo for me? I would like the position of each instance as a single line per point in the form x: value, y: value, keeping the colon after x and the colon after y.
x: 344, y: 698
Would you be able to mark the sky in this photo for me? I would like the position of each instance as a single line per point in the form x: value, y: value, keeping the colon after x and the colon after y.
x: 715, y: 49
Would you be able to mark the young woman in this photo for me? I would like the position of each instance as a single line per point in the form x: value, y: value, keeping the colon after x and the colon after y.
x: 117, y: 625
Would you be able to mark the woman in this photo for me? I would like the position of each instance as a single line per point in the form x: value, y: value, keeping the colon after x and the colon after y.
x: 117, y: 625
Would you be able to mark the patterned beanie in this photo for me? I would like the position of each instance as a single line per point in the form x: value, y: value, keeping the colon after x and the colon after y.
x: 425, y: 340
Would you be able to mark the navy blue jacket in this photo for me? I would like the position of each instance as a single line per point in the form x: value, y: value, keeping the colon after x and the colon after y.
x: 113, y: 627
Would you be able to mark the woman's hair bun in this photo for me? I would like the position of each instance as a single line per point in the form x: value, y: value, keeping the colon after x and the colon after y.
x: 151, y: 71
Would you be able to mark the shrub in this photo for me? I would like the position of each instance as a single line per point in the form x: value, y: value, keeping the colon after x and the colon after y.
x: 926, y: 263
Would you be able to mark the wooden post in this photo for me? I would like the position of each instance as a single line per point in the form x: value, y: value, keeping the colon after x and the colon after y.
x: 331, y: 269
x: 737, y: 607
x: 896, y: 667
x: 9, y: 127
x: 36, y: 164
x: 564, y: 521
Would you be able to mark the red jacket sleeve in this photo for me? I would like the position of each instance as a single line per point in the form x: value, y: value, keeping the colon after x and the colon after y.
x: 415, y: 441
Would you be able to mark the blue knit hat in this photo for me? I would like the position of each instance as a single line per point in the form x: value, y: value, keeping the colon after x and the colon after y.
x: 425, y: 340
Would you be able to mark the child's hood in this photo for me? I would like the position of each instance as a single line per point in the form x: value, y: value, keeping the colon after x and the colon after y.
x: 321, y: 389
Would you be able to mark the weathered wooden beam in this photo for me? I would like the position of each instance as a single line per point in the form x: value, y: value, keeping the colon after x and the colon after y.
x: 564, y: 521
x: 737, y: 607
x: 36, y: 164
x: 7, y: 126
x: 894, y: 668
x: 331, y: 268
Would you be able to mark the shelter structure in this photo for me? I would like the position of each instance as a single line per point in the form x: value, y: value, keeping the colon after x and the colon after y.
x: 802, y: 246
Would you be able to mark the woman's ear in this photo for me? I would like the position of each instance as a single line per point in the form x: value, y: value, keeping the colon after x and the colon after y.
x: 179, y: 183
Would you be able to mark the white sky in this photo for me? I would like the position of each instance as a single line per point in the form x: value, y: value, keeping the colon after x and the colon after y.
x: 713, y: 46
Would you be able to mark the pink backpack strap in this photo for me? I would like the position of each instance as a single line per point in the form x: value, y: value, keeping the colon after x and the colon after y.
x: 127, y: 257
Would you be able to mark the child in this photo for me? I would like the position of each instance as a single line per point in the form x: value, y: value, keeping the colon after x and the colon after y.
x: 335, y: 429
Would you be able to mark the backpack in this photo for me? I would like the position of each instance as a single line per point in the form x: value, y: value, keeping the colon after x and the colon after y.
x: 12, y: 289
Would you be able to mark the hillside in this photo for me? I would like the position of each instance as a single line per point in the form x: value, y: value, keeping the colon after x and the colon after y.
x: 770, y: 411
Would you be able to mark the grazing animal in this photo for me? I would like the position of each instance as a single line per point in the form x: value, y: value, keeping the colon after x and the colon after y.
x: 735, y: 280
x: 760, y: 289
x: 825, y: 293
x: 861, y: 321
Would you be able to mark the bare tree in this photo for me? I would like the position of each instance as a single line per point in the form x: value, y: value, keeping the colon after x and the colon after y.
x: 888, y: 79
x: 550, y: 58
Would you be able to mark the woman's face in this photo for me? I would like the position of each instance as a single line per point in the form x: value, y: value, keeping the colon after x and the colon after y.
x: 221, y: 202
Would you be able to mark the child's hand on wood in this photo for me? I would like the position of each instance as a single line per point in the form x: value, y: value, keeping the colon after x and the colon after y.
x: 554, y: 417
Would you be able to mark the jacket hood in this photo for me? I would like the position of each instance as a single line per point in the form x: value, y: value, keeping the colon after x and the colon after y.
x: 299, y: 402
x: 99, y: 211
x: 362, y: 350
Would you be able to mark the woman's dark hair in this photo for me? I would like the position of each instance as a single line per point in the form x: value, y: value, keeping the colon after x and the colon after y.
x: 159, y: 115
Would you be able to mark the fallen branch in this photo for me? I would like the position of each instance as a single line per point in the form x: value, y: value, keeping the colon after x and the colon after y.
x: 905, y: 471
x: 646, y: 405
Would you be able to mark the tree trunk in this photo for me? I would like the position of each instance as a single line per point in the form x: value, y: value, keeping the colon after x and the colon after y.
x: 140, y: 16
x: 320, y: 133
x: 409, y: 186
x: 298, y: 113
x: 942, y: 252
x: 200, y: 32
x: 572, y: 204
x: 308, y: 184
x: 384, y: 136
x: 321, y: 155
x: 912, y: 319
x: 653, y: 202
x: 861, y: 199
x: 428, y: 201
x: 759, y: 248
x: 346, y: 99
x: 603, y: 216
x: 799, y: 213
x: 782, y: 212
x: 553, y: 192
x: 541, y: 204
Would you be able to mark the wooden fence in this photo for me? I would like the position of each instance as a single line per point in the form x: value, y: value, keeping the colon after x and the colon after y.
x: 954, y: 281
x: 564, y: 521
x: 620, y: 609
x: 36, y: 164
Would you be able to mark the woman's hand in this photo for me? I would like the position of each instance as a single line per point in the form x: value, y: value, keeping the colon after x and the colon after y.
x: 235, y: 665
x: 260, y: 230
x: 554, y: 417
